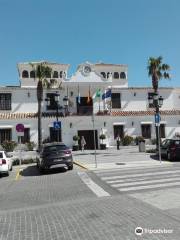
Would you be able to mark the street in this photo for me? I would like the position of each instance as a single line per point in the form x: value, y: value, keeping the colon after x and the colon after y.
x: 101, y: 204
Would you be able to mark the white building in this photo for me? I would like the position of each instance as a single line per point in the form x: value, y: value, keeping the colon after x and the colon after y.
x: 128, y: 114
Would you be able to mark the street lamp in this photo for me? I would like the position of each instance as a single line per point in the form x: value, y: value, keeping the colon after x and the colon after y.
x: 157, y: 102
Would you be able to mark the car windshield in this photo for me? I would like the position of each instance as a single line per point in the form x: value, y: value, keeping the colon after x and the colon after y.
x: 55, y: 148
x: 1, y: 155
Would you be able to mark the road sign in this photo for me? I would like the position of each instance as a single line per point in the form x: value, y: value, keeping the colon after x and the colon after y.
x: 157, y: 118
x: 57, y: 125
x: 20, y: 128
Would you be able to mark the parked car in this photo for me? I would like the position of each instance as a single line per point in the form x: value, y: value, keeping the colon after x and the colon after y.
x: 170, y: 148
x: 53, y: 155
x: 6, y: 163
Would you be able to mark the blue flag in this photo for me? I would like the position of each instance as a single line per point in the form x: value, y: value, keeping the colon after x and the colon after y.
x: 107, y: 94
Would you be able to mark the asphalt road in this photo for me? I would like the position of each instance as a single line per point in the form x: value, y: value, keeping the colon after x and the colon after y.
x: 77, y: 205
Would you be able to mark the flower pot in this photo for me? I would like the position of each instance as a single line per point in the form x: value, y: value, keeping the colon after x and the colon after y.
x: 102, y: 146
x: 75, y: 148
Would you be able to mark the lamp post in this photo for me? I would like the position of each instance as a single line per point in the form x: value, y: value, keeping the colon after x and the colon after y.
x: 157, y: 102
x: 66, y: 104
x: 56, y: 101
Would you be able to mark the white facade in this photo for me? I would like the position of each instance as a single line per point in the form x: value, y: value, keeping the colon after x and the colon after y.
x: 132, y: 113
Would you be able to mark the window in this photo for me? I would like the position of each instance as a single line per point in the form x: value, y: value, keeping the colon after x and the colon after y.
x: 116, y: 75
x: 61, y: 74
x: 5, y: 135
x: 32, y: 74
x: 52, y: 105
x: 146, y: 130
x: 103, y: 74
x: 162, y: 131
x: 55, y: 74
x: 116, y: 100
x: 25, y: 74
x: 150, y: 94
x: 122, y: 75
x: 48, y: 74
x: 5, y: 101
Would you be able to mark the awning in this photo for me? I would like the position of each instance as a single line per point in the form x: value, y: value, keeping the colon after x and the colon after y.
x: 147, y: 123
x: 119, y: 123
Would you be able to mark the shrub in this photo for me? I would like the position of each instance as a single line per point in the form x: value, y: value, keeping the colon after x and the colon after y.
x: 127, y: 140
x: 102, y: 137
x: 138, y: 139
x: 76, y: 138
x: 30, y: 145
x: 24, y: 161
x: 153, y: 141
x: 9, y: 146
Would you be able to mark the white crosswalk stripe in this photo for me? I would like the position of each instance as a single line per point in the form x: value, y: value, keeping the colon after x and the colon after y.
x: 134, y: 180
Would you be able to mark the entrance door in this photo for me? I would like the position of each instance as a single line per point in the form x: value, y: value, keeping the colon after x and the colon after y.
x: 118, y: 131
x: 89, y: 138
x: 55, y: 135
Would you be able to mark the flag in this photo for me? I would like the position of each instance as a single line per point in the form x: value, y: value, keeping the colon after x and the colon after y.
x: 107, y: 94
x: 79, y: 96
x: 97, y: 94
x: 89, y: 96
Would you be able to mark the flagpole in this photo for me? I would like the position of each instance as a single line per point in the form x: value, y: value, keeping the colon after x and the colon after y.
x: 95, y: 159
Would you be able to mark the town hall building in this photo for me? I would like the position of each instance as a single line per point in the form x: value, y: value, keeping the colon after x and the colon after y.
x: 96, y: 98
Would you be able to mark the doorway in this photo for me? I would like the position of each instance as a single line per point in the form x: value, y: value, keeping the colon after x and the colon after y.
x: 119, y: 131
x: 89, y: 138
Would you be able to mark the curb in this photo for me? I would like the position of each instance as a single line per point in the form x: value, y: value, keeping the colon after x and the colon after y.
x: 80, y: 165
x: 18, y: 174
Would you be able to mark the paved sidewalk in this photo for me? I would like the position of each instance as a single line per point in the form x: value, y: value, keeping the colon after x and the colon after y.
x: 126, y: 157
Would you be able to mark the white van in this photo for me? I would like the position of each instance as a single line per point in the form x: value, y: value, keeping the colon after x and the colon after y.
x: 5, y: 163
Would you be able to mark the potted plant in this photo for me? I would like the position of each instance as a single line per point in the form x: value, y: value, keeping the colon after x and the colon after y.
x: 76, y: 139
x: 102, y: 145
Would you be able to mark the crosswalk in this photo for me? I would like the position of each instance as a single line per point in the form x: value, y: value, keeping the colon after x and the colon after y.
x: 141, y: 179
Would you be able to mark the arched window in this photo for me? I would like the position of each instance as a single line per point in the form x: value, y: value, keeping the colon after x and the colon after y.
x: 25, y: 74
x: 122, y: 75
x: 103, y: 74
x: 61, y: 74
x: 55, y: 74
x: 48, y: 74
x: 116, y: 75
x: 32, y: 74
x: 109, y: 75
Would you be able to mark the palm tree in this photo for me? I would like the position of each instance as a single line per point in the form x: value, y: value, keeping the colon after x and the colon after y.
x: 157, y: 70
x: 42, y: 71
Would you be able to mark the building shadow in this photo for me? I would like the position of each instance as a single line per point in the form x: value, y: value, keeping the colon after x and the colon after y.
x: 32, y: 171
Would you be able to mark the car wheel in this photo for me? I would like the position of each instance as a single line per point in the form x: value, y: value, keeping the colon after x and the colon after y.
x: 70, y: 167
x: 169, y: 156
x: 41, y: 170
x: 7, y: 174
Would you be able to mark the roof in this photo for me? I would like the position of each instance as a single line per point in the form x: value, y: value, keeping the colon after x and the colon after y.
x: 113, y: 113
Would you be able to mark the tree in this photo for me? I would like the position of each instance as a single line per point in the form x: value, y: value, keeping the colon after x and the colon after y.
x: 42, y: 71
x: 157, y: 70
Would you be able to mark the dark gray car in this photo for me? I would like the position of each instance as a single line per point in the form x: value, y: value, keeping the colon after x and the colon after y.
x: 54, y: 155
x: 170, y: 148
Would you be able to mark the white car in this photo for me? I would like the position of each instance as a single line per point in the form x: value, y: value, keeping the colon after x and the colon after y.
x: 5, y: 163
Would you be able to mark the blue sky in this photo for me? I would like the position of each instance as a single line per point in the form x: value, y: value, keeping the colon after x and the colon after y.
x: 111, y: 31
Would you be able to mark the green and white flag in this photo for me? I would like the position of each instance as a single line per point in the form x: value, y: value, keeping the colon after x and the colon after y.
x: 97, y: 94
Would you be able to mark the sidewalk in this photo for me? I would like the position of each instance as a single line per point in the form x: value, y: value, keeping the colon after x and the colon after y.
x: 126, y: 157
